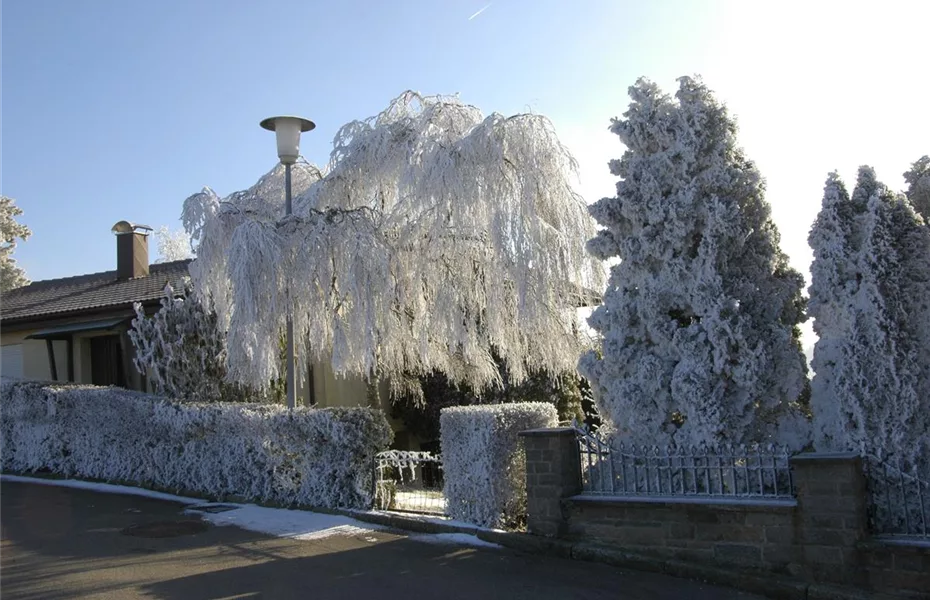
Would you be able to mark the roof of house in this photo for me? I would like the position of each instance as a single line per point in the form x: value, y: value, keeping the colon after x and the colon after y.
x: 92, y: 292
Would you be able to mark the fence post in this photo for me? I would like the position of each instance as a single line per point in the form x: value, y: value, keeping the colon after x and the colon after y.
x: 553, y: 472
x: 832, y: 514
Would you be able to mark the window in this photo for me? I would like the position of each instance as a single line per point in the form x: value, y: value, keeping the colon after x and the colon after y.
x: 106, y: 361
x: 11, y: 361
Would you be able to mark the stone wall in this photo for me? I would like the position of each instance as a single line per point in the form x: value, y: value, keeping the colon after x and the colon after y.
x: 553, y: 472
x: 761, y: 536
x: 892, y: 565
x: 821, y: 537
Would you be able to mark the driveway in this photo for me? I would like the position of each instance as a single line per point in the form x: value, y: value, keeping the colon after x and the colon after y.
x: 62, y: 543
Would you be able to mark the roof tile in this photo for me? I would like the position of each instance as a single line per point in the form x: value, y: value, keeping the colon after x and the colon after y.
x: 88, y: 292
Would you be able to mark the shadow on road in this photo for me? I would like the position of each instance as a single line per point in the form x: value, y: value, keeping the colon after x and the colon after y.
x: 67, y: 522
x: 61, y: 543
x: 409, y: 569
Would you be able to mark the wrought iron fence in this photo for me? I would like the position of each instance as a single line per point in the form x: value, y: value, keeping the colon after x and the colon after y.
x: 409, y: 481
x: 899, y: 501
x: 740, y: 472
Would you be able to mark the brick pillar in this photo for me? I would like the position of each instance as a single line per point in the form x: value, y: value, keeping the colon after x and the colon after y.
x: 832, y: 515
x: 553, y: 472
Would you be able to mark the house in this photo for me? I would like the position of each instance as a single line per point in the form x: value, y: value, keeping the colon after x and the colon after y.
x: 74, y: 329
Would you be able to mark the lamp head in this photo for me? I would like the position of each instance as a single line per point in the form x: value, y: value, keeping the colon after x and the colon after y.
x: 287, y: 131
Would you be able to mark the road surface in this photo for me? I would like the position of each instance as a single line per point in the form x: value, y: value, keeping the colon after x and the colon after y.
x: 60, y: 543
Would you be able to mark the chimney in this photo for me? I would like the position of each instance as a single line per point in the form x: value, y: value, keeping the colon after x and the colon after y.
x: 132, y: 250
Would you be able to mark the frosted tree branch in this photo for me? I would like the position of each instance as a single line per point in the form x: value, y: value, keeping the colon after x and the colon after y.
x: 173, y: 245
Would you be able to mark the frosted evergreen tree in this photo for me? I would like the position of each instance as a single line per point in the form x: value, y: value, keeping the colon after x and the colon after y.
x: 834, y: 282
x: 918, y: 190
x: 436, y: 239
x: 870, y: 299
x: 700, y: 318
x: 11, y: 276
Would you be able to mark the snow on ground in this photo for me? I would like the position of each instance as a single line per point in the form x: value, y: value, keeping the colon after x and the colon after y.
x: 453, y: 538
x: 296, y: 524
x: 279, y: 522
x: 428, y: 518
x: 420, y: 500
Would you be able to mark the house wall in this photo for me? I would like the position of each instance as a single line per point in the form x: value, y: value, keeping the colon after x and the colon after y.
x: 333, y: 391
x: 330, y: 390
x: 35, y: 355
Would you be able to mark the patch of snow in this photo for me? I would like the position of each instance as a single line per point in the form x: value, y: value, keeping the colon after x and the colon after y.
x: 106, y: 488
x: 294, y: 524
x: 418, y: 500
x: 454, y: 538
x: 424, y: 518
x: 278, y: 522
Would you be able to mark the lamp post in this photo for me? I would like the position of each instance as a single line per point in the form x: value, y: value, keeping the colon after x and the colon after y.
x: 287, y: 131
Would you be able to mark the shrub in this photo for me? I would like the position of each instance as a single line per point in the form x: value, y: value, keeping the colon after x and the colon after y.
x: 182, y: 351
x: 264, y: 453
x: 567, y: 392
x: 483, y: 461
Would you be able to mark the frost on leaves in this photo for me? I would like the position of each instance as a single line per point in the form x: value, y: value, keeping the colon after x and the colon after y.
x: 918, y: 186
x: 11, y: 276
x: 173, y: 245
x: 436, y: 239
x: 484, y: 466
x: 183, y: 353
x: 700, y: 318
x: 870, y: 300
x: 265, y: 453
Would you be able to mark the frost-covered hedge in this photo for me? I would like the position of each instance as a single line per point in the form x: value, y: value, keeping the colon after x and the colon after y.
x: 261, y: 452
x: 483, y: 461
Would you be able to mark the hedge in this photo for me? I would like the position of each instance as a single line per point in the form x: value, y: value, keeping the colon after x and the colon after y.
x: 264, y: 453
x: 483, y: 461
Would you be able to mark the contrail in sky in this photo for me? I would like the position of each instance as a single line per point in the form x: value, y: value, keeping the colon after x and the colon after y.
x: 488, y: 5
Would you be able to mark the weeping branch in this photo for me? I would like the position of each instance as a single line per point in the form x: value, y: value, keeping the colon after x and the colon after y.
x: 444, y: 237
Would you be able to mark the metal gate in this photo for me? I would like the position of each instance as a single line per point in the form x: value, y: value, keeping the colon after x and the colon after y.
x: 408, y: 481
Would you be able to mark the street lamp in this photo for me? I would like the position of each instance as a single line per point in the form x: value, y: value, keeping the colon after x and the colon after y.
x: 287, y: 132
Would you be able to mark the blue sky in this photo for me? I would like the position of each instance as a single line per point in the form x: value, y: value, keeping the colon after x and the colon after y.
x: 119, y: 110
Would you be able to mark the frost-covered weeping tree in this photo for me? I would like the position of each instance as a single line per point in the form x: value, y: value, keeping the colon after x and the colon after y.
x: 918, y: 186
x: 436, y: 240
x: 870, y: 300
x: 700, y: 317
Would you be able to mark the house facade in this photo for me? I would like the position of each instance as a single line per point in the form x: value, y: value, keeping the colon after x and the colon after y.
x: 75, y: 329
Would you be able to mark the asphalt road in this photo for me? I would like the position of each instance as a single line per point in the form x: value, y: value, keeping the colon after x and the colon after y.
x: 62, y: 543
